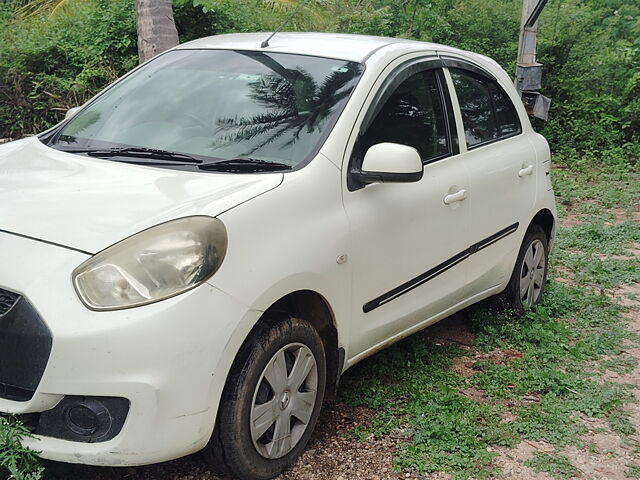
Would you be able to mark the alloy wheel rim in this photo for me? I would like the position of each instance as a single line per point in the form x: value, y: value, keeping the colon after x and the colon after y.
x: 532, y: 274
x: 284, y: 400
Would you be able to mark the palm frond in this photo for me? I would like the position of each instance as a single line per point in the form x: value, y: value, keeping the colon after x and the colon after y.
x: 40, y: 7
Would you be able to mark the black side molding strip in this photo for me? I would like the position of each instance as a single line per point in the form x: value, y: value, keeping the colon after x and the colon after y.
x: 438, y: 269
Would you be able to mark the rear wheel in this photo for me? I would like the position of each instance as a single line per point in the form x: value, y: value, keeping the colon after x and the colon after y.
x: 271, y: 401
x: 526, y: 285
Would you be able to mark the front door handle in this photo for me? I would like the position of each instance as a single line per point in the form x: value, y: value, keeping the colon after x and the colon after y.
x: 528, y: 170
x: 455, y: 197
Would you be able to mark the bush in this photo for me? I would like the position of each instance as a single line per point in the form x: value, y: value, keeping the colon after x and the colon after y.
x: 590, y: 51
x: 50, y: 64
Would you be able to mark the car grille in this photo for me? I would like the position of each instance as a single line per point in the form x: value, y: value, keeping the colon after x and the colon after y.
x: 7, y: 300
x: 25, y: 346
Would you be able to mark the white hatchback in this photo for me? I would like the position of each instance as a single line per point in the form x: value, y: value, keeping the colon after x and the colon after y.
x: 192, y: 259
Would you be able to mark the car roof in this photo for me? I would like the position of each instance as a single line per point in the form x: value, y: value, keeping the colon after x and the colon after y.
x: 351, y: 47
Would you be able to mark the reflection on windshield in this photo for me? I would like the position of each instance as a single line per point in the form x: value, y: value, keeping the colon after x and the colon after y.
x: 219, y: 104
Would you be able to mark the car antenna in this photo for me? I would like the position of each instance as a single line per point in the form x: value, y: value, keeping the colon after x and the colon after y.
x: 265, y: 44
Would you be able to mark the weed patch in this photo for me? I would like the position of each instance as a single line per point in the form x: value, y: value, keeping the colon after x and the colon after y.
x: 16, y: 462
x: 558, y: 466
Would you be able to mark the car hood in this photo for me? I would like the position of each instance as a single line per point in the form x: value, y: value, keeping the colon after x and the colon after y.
x: 89, y: 203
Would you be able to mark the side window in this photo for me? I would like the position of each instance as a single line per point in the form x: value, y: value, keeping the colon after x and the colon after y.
x: 508, y: 121
x: 413, y: 115
x: 487, y: 111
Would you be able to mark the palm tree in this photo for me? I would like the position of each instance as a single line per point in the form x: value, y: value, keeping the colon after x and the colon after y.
x: 156, y: 26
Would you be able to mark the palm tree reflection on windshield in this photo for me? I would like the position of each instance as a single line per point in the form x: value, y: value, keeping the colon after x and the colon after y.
x: 292, y: 104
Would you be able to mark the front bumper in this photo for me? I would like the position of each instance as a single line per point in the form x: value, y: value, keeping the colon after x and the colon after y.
x: 169, y: 359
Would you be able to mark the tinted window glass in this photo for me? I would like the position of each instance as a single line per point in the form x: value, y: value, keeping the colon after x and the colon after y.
x: 478, y: 116
x: 220, y: 104
x: 413, y: 115
x: 508, y: 121
x: 487, y: 112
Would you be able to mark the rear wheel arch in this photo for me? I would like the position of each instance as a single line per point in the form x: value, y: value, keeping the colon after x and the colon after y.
x: 545, y: 219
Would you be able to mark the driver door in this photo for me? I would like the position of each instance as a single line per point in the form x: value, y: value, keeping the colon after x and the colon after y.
x: 407, y: 245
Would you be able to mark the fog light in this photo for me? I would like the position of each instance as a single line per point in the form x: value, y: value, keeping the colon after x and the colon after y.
x: 84, y: 419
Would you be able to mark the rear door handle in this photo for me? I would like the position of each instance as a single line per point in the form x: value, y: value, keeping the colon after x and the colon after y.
x: 528, y: 170
x: 455, y: 197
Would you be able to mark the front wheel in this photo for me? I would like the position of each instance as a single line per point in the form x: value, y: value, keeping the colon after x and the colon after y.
x: 271, y: 401
x: 526, y: 285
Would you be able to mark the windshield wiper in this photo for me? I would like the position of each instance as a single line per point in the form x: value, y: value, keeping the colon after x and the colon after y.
x: 138, y: 152
x: 244, y: 164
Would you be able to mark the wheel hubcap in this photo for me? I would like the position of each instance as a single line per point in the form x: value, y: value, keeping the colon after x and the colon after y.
x: 532, y: 274
x: 284, y: 401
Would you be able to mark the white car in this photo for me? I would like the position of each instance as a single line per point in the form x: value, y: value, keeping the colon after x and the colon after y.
x: 192, y: 259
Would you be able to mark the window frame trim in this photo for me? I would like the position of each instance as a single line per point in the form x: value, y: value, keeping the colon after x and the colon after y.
x: 393, y: 80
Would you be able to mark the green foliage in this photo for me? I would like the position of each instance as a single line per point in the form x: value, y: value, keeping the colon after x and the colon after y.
x: 51, y: 63
x: 620, y: 423
x: 591, y: 64
x: 56, y: 61
x: 16, y: 462
x: 411, y: 383
x: 558, y: 466
x: 589, y: 188
x: 597, y: 236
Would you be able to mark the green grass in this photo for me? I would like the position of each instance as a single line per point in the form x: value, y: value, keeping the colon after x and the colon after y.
x: 557, y: 466
x: 592, y: 189
x: 599, y: 235
x: 564, y: 347
x: 633, y: 471
x: 412, y: 384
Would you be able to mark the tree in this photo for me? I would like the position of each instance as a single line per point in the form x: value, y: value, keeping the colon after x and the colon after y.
x: 156, y: 28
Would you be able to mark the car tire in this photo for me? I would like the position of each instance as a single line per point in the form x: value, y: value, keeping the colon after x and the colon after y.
x: 526, y: 285
x: 275, y: 389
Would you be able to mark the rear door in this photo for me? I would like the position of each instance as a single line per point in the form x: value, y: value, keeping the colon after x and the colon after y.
x: 501, y: 164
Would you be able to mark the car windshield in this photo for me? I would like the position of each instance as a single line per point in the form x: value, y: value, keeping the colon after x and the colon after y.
x: 217, y: 104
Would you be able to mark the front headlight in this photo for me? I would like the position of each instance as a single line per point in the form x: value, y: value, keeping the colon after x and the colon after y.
x: 152, y: 265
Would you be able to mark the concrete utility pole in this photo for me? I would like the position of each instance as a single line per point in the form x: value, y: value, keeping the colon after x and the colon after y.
x: 528, y: 71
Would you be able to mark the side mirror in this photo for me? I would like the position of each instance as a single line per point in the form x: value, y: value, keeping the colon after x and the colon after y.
x: 71, y: 112
x: 389, y: 163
